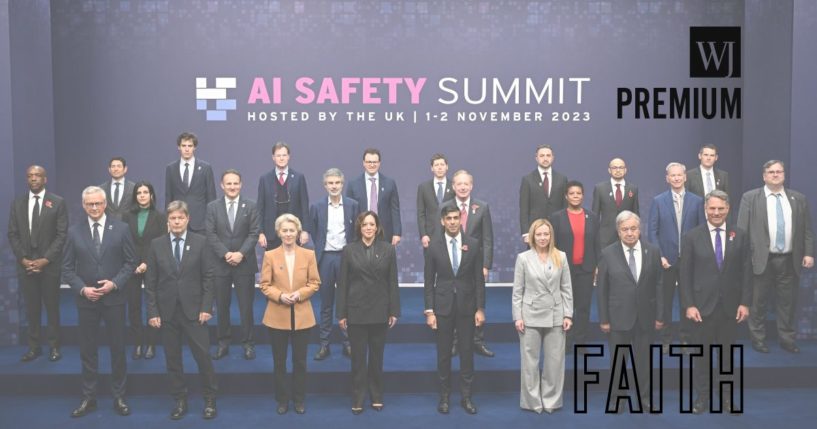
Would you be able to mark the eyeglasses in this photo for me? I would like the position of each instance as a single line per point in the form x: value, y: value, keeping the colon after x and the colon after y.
x: 618, y: 167
x: 775, y: 171
x: 93, y: 204
x: 371, y: 162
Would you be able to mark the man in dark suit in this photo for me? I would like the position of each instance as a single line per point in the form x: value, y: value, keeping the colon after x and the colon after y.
x: 332, y: 226
x: 179, y: 290
x: 431, y: 194
x: 706, y: 178
x: 475, y: 219
x: 374, y: 191
x: 541, y: 192
x: 672, y: 214
x: 454, y: 291
x: 99, y: 259
x: 630, y: 303
x: 119, y: 190
x: 778, y: 221
x: 190, y: 180
x: 610, y: 198
x: 38, y: 224
x: 281, y: 190
x: 232, y: 230
x: 715, y: 289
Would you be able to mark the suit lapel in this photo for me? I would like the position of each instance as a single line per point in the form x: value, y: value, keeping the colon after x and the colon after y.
x: 106, y: 237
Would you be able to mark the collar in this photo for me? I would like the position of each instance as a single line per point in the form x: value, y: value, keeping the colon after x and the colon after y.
x: 458, y: 237
x: 101, y: 221
x: 183, y: 236
x: 542, y: 171
x: 712, y: 227
x: 376, y: 176
x: 192, y: 161
x: 768, y: 191
x: 707, y: 170
x: 626, y: 248
x: 467, y: 202
x: 340, y: 202
x: 41, y: 194
x: 279, y: 171
x: 120, y: 181
x: 227, y: 200
x: 680, y: 194
x: 621, y: 182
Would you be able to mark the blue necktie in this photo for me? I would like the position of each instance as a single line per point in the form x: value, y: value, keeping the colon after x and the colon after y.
x: 780, y: 235
x: 177, y: 250
x: 455, y: 261
x: 718, y: 248
x: 439, y: 192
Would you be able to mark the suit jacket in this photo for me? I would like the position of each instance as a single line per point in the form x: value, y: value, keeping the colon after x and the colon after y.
x: 480, y: 227
x: 702, y: 284
x: 125, y: 199
x: 202, y: 190
x: 51, y: 234
x: 563, y: 234
x: 752, y: 218
x: 604, y: 205
x: 428, y: 210
x: 190, y: 284
x: 440, y: 282
x: 532, y: 201
x: 662, y: 229
x: 621, y: 298
x: 367, y: 289
x: 155, y: 226
x: 695, y: 181
x: 319, y: 218
x: 275, y: 281
x: 388, y: 202
x: 542, y: 293
x: 242, y: 237
x: 268, y: 208
x: 82, y: 266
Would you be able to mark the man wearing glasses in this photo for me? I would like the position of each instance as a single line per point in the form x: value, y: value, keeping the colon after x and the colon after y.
x: 281, y: 190
x: 378, y: 193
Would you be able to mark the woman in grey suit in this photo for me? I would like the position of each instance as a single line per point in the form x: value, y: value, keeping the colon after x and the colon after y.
x: 542, y: 303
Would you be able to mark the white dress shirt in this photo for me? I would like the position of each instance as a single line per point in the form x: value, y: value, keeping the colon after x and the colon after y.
x: 637, y: 253
x: 101, y: 223
x: 192, y: 162
x: 335, y: 227
x: 31, y: 205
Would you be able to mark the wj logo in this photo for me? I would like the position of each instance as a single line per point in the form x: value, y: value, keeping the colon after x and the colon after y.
x: 714, y: 52
x: 214, y: 101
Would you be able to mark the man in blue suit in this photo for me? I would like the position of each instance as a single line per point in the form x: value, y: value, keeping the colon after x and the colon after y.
x: 281, y: 190
x: 332, y: 226
x: 190, y: 179
x: 378, y: 193
x: 99, y: 259
x: 672, y: 214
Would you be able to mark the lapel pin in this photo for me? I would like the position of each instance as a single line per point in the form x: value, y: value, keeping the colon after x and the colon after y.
x: 48, y: 203
x: 110, y: 227
x: 199, y: 168
x: 187, y: 248
x: 540, y: 184
x: 630, y: 194
x: 611, y: 194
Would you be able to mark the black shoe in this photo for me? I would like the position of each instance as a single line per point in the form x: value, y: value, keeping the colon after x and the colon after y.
x: 137, y: 353
x: 701, y: 406
x: 31, y: 354
x: 179, y: 410
x: 85, y: 407
x: 322, y: 353
x: 468, y: 406
x: 221, y: 352
x: 121, y: 407
x: 210, y: 411
x: 55, y: 354
x: 790, y: 347
x: 482, y: 349
x: 150, y: 352
x: 249, y: 352
x: 300, y: 408
x: 283, y: 407
x: 760, y: 347
x: 442, y: 407
x: 347, y: 351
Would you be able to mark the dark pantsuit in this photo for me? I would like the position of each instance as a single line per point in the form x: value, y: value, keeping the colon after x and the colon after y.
x: 198, y: 339
x: 669, y: 283
x: 582, y: 284
x: 368, y: 342
x: 464, y: 324
x: 716, y: 329
x: 245, y: 292
x: 114, y: 317
x: 779, y: 279
x: 142, y: 335
x: 329, y: 269
x: 639, y: 339
x: 280, y: 343
x: 39, y: 289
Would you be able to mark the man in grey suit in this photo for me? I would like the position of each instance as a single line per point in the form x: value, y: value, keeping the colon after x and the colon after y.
x: 233, y: 226
x: 190, y: 179
x: 630, y: 304
x: 778, y: 221
x: 118, y: 190
x: 541, y: 192
x: 612, y: 197
x: 706, y: 178
x: 431, y: 194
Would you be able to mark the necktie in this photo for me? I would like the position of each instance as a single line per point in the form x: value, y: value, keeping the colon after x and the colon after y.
x: 186, y: 175
x: 678, y: 213
x: 709, y: 186
x: 281, y: 178
x: 780, y: 233
x: 455, y: 260
x: 97, y: 240
x: 35, y: 218
x: 116, y: 194
x: 439, y: 192
x: 177, y: 250
x: 464, y: 217
x: 546, y: 185
x: 373, y: 195
x: 718, y: 248
x: 231, y: 214
x: 631, y: 263
x: 619, y: 196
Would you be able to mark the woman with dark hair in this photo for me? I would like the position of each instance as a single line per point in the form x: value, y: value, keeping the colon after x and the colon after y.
x: 368, y: 304
x: 146, y: 223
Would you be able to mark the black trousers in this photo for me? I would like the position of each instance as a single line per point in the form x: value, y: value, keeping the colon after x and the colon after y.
x: 582, y: 284
x: 718, y: 328
x: 142, y: 334
x: 779, y: 279
x: 280, y: 344
x: 89, y: 318
x: 464, y: 324
x: 245, y: 292
x: 639, y: 339
x: 368, y: 341
x: 670, y: 285
x: 198, y: 339
x: 38, y: 290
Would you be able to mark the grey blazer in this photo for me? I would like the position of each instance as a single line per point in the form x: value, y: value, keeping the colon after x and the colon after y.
x: 542, y: 294
x: 240, y: 238
x: 695, y: 181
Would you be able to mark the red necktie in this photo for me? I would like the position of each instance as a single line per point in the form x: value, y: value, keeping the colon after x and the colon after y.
x: 281, y: 178
x: 546, y: 185
x: 619, y: 197
x: 464, y: 216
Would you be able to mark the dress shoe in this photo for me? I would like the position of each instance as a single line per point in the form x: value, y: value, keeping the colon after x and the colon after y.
x: 179, y: 410
x: 221, y: 352
x: 442, y: 407
x: 468, y: 406
x: 31, y: 354
x: 55, y: 354
x: 249, y: 352
x: 701, y: 406
x: 377, y: 407
x: 137, y: 353
x: 760, y: 347
x: 150, y: 352
x: 357, y: 410
x: 482, y: 349
x: 210, y: 411
x: 283, y: 407
x: 300, y: 408
x: 347, y: 351
x: 790, y: 347
x: 322, y: 353
x: 85, y: 407
x: 121, y: 407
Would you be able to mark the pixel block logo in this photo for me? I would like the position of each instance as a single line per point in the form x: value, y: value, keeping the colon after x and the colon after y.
x: 206, y: 97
